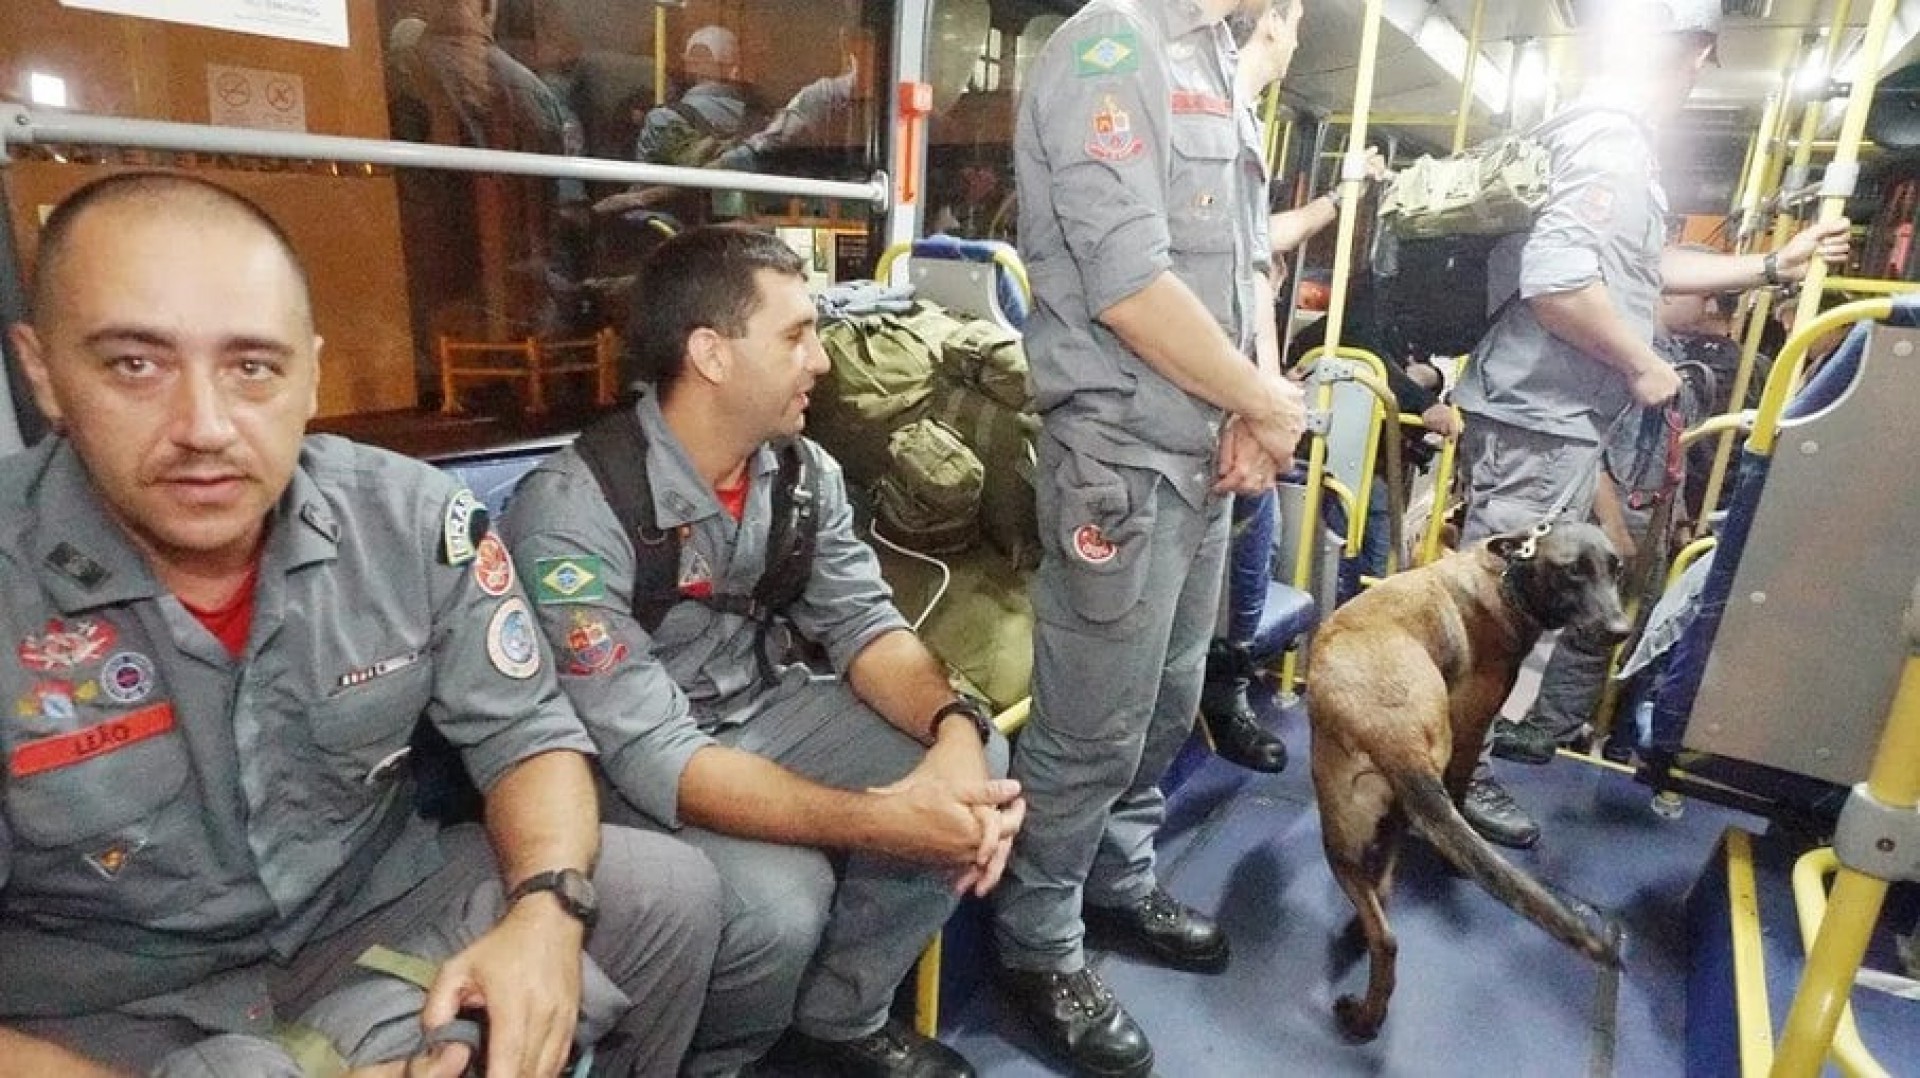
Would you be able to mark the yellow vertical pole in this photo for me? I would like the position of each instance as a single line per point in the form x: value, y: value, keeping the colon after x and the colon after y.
x: 1353, y: 174
x: 1894, y: 780
x: 1270, y: 131
x: 1782, y: 232
x: 1853, y: 125
x: 1473, y: 69
x: 1854, y: 905
x: 659, y: 54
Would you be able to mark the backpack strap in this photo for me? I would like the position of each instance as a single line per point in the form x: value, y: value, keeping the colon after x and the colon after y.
x: 613, y: 446
x: 615, y: 449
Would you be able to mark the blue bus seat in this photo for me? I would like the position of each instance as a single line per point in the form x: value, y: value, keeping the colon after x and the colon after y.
x: 1005, y: 302
x: 1675, y: 691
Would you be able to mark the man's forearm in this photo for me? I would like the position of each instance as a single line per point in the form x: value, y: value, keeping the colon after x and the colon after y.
x: 1168, y: 327
x: 734, y: 792
x: 544, y: 815
x: 898, y: 677
x: 1586, y: 319
x: 1288, y: 229
x: 1266, y: 339
x: 22, y: 1056
x: 1697, y: 272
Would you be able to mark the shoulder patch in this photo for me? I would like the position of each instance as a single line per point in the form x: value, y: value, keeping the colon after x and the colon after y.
x: 576, y: 578
x: 493, y: 566
x: 1113, y: 138
x: 464, y: 527
x: 1109, y: 54
x: 511, y: 645
x: 590, y: 647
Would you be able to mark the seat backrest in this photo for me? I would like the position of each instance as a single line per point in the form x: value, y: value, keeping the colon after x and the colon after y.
x: 493, y: 473
x: 966, y: 276
x: 1813, y: 572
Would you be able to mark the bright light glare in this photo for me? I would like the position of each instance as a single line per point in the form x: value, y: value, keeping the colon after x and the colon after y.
x: 46, y: 89
x: 1812, y: 72
x: 1440, y: 39
x: 1530, y: 83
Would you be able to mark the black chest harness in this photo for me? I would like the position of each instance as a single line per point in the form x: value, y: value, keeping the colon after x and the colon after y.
x: 615, y: 449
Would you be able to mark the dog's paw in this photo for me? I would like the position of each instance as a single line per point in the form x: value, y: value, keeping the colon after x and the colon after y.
x: 1356, y: 1022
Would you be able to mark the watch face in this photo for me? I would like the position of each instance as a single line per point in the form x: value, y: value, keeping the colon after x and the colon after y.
x: 578, y: 892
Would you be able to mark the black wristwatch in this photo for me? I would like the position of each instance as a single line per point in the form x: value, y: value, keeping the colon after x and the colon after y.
x: 570, y: 886
x: 975, y: 712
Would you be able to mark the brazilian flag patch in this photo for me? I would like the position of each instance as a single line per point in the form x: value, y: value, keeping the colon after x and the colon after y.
x: 576, y: 578
x: 1110, y: 54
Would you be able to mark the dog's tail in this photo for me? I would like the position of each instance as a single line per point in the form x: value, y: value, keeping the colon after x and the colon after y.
x: 1432, y: 814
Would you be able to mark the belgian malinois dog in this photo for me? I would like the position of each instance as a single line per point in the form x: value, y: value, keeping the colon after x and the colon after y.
x: 1405, y: 679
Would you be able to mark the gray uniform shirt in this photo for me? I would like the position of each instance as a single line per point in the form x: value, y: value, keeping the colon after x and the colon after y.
x: 171, y: 811
x: 1132, y: 158
x: 652, y: 700
x: 1604, y: 220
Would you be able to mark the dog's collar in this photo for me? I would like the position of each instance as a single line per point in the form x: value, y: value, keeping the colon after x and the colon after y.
x: 1517, y: 599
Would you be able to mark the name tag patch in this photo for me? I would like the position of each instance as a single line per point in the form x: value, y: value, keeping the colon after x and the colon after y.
x: 53, y: 753
x: 1195, y: 103
x: 364, y: 674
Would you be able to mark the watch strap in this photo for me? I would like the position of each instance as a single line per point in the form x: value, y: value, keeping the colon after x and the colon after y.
x: 975, y: 712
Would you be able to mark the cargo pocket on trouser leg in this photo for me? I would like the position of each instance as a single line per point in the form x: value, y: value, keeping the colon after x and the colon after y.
x: 1103, y: 526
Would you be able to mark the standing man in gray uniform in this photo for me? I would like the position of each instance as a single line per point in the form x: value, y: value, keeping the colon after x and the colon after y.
x: 845, y: 814
x: 1576, y: 348
x: 220, y: 640
x: 1141, y: 185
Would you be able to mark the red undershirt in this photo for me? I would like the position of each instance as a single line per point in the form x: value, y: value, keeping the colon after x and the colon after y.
x: 734, y: 498
x: 230, y: 621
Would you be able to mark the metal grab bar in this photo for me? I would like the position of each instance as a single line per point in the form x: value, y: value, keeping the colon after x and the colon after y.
x: 20, y: 125
x: 1810, y: 874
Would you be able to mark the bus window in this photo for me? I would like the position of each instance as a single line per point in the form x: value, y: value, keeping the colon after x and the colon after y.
x: 977, y: 59
x: 402, y: 259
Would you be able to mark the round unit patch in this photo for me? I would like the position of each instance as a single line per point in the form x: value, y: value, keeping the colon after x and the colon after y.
x: 511, y: 645
x: 127, y: 677
x: 1092, y: 545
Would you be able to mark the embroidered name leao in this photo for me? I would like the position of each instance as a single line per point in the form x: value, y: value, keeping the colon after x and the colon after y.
x: 53, y: 753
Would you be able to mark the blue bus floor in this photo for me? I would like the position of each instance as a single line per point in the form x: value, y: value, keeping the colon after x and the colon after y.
x: 1481, y: 991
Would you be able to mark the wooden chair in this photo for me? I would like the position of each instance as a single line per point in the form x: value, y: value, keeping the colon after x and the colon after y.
x: 531, y: 360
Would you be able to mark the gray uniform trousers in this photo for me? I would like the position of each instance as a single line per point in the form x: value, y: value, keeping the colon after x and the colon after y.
x: 1513, y: 476
x: 1114, y: 696
x: 815, y: 940
x: 650, y: 951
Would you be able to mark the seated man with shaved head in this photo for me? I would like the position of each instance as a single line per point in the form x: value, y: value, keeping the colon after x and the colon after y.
x: 223, y: 636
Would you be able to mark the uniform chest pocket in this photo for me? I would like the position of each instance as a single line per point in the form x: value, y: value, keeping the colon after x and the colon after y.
x: 364, y: 731
x: 1200, y: 192
x: 96, y: 780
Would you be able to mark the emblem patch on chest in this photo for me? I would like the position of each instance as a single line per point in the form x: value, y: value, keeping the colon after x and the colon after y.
x: 101, y: 739
x: 127, y: 677
x: 493, y: 566
x: 696, y: 575
x: 1113, y: 138
x: 64, y: 646
x: 511, y: 645
x: 112, y: 860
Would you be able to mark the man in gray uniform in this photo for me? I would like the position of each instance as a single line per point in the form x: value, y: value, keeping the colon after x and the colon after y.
x: 1140, y: 185
x: 845, y: 813
x: 1576, y: 349
x: 222, y: 639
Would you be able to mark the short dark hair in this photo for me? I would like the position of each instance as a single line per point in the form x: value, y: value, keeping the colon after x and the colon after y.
x: 700, y: 279
x: 163, y: 192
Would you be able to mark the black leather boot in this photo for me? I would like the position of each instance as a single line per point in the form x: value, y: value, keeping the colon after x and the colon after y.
x: 1161, y: 929
x: 1079, y: 1021
x: 1232, y: 724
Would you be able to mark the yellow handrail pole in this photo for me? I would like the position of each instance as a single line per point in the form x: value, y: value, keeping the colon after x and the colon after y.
x: 1868, y: 286
x: 1759, y: 150
x: 1473, y: 69
x: 1270, y: 131
x: 1810, y: 874
x: 1353, y: 176
x: 1845, y: 166
x: 659, y: 54
x: 1854, y: 906
x: 1786, y: 366
x: 1762, y: 307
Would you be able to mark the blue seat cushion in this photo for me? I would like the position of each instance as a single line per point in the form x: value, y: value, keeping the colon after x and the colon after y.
x: 1288, y: 615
